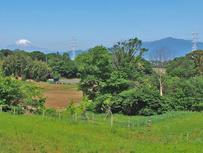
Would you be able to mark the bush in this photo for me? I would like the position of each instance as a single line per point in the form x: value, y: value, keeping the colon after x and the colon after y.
x: 39, y: 71
x: 137, y: 101
x: 51, y: 112
x: 142, y: 101
x: 184, y: 93
x: 10, y: 91
x: 197, y: 107
x: 99, y: 103
x: 15, y: 93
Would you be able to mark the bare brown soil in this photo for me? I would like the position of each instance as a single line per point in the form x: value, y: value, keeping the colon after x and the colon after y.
x: 60, y: 95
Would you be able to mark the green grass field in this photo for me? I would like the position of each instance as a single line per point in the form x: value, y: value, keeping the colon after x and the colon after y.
x: 180, y: 132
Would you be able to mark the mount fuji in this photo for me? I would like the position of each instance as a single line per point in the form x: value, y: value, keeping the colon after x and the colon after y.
x: 24, y: 44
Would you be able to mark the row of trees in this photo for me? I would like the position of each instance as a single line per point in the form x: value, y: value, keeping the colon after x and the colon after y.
x: 37, y: 65
x: 132, y: 85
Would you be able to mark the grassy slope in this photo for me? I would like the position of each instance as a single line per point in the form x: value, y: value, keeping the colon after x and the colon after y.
x: 180, y: 133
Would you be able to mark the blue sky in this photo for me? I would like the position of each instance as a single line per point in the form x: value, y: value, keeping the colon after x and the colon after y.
x: 53, y: 23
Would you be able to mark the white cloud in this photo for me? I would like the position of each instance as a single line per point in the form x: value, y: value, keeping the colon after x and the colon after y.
x: 23, y: 42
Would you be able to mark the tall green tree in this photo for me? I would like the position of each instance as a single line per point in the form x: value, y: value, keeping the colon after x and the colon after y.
x: 126, y: 54
x: 62, y: 65
x: 95, y: 67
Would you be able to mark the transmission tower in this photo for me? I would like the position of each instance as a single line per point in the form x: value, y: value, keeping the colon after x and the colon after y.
x: 194, y: 40
x: 73, y: 45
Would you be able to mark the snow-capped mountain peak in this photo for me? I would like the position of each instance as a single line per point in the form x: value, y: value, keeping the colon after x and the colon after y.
x: 23, y: 42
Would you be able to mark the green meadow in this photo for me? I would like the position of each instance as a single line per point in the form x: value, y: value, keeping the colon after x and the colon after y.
x: 175, y: 132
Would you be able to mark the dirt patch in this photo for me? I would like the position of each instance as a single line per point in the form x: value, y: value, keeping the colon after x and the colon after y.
x: 59, y: 96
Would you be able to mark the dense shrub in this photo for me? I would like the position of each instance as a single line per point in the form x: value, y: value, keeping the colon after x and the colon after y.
x: 17, y: 64
x: 137, y: 101
x: 39, y: 71
x: 181, y: 67
x: 51, y: 112
x: 142, y: 101
x: 20, y: 94
x: 10, y: 91
x: 197, y: 107
x: 99, y: 103
x: 184, y: 93
x: 21, y: 65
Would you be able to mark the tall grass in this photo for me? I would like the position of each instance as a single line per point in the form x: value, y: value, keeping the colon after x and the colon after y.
x: 178, y: 132
x: 118, y: 119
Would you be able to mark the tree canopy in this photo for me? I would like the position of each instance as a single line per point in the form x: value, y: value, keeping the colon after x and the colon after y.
x: 115, y: 80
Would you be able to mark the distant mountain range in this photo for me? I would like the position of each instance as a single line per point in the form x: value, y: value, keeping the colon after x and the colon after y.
x: 173, y: 46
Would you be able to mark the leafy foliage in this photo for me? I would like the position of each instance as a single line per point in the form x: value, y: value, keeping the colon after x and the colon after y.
x: 62, y: 65
x: 137, y: 87
x: 37, y: 55
x: 95, y: 68
x: 37, y: 65
x: 184, y: 93
x: 39, y: 71
x: 19, y: 93
x: 142, y: 101
x: 125, y: 56
x: 197, y: 57
x: 115, y: 80
x: 17, y: 64
x: 21, y: 65
x: 181, y: 67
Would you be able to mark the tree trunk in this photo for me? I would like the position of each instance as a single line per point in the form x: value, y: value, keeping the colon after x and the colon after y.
x: 160, y: 86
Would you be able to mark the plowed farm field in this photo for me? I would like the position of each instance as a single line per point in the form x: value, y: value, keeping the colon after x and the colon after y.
x: 58, y: 96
